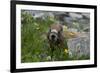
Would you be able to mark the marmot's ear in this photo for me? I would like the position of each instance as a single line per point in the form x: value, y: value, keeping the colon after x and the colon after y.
x: 61, y: 28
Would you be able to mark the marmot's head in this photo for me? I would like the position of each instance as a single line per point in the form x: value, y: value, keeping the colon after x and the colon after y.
x: 55, y: 33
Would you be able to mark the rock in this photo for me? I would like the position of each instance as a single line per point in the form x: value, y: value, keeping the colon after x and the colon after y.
x: 68, y: 20
x: 86, y: 15
x: 75, y: 16
x: 84, y: 21
x: 79, y: 46
x: 72, y: 30
x: 38, y: 15
x: 86, y: 29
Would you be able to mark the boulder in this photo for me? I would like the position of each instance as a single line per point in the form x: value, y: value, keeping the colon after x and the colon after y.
x: 79, y: 46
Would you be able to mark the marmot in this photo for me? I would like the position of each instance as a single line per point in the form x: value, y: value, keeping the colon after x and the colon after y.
x: 55, y: 36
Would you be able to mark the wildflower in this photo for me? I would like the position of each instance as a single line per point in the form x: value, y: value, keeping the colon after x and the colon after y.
x: 48, y: 58
x: 66, y: 50
x: 36, y: 24
x: 37, y: 28
x: 65, y: 28
x: 70, y: 54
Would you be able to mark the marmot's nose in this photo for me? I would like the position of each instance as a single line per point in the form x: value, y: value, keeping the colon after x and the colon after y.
x: 53, y: 36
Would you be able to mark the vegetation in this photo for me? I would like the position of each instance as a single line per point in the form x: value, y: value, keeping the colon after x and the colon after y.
x: 34, y: 44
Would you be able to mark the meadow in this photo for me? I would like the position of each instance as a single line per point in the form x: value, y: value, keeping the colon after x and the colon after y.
x: 34, y: 43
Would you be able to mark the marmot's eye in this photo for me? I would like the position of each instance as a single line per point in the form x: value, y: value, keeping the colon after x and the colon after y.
x: 59, y: 31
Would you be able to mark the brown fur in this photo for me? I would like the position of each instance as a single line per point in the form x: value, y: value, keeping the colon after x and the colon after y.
x: 57, y: 27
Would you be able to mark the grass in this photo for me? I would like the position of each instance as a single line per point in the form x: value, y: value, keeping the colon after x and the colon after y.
x: 34, y: 44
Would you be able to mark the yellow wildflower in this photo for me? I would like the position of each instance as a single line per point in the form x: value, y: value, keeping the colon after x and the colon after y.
x: 66, y: 50
x: 71, y: 33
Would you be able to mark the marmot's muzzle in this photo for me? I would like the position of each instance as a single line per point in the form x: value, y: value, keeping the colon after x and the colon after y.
x: 53, y: 36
